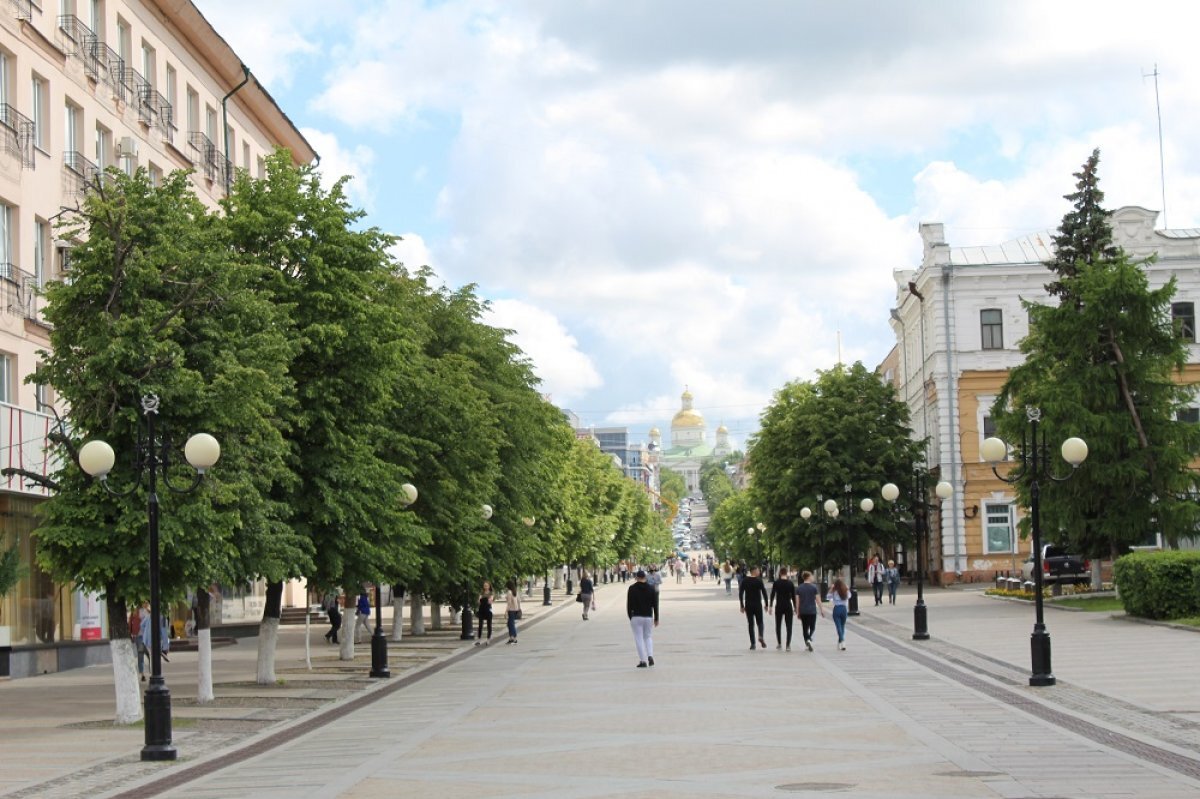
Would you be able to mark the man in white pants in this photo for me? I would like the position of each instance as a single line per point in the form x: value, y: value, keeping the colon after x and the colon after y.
x: 641, y: 604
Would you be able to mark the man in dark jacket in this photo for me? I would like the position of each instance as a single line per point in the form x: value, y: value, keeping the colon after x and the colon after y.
x: 783, y: 597
x: 641, y: 604
x: 752, y: 595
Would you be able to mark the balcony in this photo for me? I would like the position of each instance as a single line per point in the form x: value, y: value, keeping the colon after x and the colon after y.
x: 18, y: 133
x: 25, y: 444
x: 23, y: 9
x: 81, y: 172
x: 18, y: 292
x: 207, y: 156
x: 162, y: 114
x: 80, y: 41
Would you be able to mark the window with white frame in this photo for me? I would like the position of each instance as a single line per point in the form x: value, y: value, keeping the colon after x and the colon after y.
x: 125, y: 41
x: 7, y: 252
x: 103, y: 146
x: 96, y: 18
x: 6, y: 378
x: 999, y: 534
x: 41, y: 394
x: 1183, y: 315
x: 991, y: 323
x: 5, y: 75
x: 41, y: 111
x: 1189, y: 415
x: 193, y: 110
x: 71, y: 115
x: 41, y: 246
x: 149, y: 64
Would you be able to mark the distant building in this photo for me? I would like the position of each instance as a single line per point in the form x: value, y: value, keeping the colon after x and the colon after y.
x: 689, y: 449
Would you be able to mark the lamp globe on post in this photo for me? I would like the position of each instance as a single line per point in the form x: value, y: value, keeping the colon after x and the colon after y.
x: 1034, y: 465
x: 97, y: 459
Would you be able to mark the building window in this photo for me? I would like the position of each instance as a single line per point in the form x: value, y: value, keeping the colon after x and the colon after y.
x: 210, y: 123
x: 193, y: 110
x: 155, y: 175
x: 71, y: 128
x: 149, y: 64
x: 41, y: 245
x: 246, y: 156
x: 1190, y: 415
x: 998, y: 533
x: 172, y: 86
x: 96, y: 18
x: 6, y: 378
x: 1183, y: 315
x: 7, y: 254
x: 991, y: 323
x: 103, y: 146
x: 41, y: 111
x: 124, y: 41
x: 5, y: 75
x: 41, y: 395
x: 261, y: 167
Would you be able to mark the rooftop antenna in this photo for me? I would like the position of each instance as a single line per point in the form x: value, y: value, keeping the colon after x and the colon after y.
x: 839, y: 346
x: 1162, y: 170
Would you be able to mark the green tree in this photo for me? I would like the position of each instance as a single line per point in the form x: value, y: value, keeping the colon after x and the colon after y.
x: 671, y: 486
x: 715, y: 484
x: 159, y: 303
x: 844, y: 428
x: 1105, y: 364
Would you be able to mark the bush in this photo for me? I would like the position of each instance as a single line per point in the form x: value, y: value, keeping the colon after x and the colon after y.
x: 1159, y: 585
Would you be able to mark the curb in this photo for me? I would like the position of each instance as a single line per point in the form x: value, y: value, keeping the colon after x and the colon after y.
x: 1154, y: 622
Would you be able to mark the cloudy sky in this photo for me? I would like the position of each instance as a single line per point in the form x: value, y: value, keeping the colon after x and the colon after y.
x: 655, y: 193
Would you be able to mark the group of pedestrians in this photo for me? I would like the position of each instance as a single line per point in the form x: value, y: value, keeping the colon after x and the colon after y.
x: 880, y: 576
x: 142, y: 633
x: 790, y: 601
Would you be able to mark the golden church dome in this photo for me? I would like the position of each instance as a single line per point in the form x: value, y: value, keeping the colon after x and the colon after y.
x: 722, y: 429
x: 687, y: 418
x: 654, y: 431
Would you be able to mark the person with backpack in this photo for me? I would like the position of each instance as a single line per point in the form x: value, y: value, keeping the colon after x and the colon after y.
x: 362, y: 615
x: 587, y: 594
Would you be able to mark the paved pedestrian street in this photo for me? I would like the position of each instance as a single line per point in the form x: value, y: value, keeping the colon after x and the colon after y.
x: 565, y: 713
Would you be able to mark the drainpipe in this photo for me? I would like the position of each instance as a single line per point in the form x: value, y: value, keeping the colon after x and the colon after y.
x: 952, y: 401
x: 225, y: 121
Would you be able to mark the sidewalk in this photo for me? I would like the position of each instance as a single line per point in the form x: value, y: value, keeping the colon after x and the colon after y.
x: 57, y: 738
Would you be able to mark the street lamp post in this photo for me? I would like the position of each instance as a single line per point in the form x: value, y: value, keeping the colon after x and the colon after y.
x: 151, y: 457
x: 379, y: 650
x: 762, y: 532
x: 1035, y: 464
x: 920, y: 510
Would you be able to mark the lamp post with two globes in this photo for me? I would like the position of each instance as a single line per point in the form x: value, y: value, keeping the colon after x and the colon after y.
x: 920, y: 511
x: 1035, y: 465
x: 152, y: 457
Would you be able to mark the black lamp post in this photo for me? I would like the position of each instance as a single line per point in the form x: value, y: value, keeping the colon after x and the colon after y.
x: 1035, y: 464
x: 806, y: 514
x: 152, y: 456
x: 831, y: 508
x: 468, y: 619
x: 920, y: 511
x: 379, y: 650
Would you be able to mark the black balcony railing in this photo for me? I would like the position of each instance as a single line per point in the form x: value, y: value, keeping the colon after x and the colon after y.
x: 80, y: 41
x: 206, y: 156
x: 17, y: 130
x: 161, y: 115
x: 23, y: 9
x: 82, y: 174
x: 18, y: 292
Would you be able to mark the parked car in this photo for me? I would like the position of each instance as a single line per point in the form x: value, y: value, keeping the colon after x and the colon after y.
x: 1059, y: 567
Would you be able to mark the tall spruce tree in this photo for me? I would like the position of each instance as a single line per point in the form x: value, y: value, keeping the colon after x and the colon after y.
x: 1105, y: 364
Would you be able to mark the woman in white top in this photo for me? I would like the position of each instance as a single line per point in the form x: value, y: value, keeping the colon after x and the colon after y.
x: 512, y: 602
x: 839, y: 595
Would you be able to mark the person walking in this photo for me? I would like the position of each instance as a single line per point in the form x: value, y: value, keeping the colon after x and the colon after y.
x: 362, y: 615
x: 752, y: 595
x: 839, y: 595
x: 139, y: 628
x: 727, y: 576
x: 587, y: 594
x: 875, y: 576
x: 484, y: 613
x: 694, y: 567
x: 783, y: 597
x: 892, y: 576
x: 654, y: 579
x: 512, y: 606
x: 641, y: 605
x: 334, y: 612
x: 808, y: 602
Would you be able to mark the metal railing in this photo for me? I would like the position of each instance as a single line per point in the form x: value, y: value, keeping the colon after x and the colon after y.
x: 18, y: 133
x: 19, y: 291
x: 80, y: 41
x: 23, y: 9
x: 207, y: 156
x: 82, y: 172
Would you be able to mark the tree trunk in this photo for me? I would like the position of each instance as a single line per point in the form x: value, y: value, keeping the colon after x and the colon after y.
x: 557, y: 579
x: 204, y: 676
x: 349, y: 619
x: 435, y: 616
x: 417, y: 611
x: 124, y: 661
x: 268, y: 633
x: 397, y: 613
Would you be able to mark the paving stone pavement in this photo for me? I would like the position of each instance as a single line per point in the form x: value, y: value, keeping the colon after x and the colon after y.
x: 565, y: 714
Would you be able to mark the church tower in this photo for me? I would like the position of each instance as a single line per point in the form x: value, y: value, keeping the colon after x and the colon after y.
x: 722, y: 448
x: 687, y: 428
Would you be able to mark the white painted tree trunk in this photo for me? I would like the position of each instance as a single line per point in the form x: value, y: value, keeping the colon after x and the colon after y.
x: 417, y: 610
x: 268, y: 636
x: 125, y: 681
x: 557, y: 579
x: 1097, y: 583
x: 397, y: 616
x: 454, y: 622
x: 346, y: 644
x: 435, y: 616
x: 204, y: 676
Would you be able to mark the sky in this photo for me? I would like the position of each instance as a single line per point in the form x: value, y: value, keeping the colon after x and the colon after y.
x: 655, y: 194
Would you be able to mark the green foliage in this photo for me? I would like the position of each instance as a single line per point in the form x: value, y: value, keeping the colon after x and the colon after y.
x: 715, y: 485
x: 672, y: 486
x: 158, y: 302
x: 727, y: 528
x: 845, y: 428
x: 10, y: 569
x: 1103, y: 365
x: 1159, y: 585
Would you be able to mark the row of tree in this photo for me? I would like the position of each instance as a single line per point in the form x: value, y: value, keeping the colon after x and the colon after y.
x: 1104, y: 360
x: 331, y: 375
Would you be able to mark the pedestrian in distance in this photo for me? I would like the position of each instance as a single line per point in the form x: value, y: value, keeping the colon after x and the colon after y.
x: 783, y: 597
x: 808, y: 603
x: 512, y: 607
x: 654, y: 579
x: 694, y: 567
x: 839, y: 595
x: 727, y: 576
x: 484, y: 614
x: 333, y: 610
x: 875, y: 576
x: 752, y: 595
x: 641, y: 605
x: 587, y: 594
x: 139, y: 630
x: 893, y: 581
x: 362, y: 615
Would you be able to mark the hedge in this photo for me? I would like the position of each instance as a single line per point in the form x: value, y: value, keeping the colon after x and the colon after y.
x: 1159, y: 585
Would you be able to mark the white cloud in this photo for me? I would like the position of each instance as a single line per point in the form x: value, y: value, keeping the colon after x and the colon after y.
x: 565, y: 372
x: 270, y: 42
x: 338, y: 162
x: 412, y: 252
